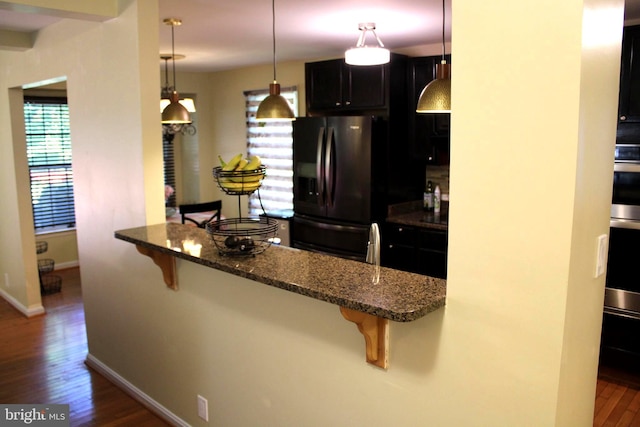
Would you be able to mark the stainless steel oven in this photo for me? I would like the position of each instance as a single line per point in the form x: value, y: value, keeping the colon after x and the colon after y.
x: 621, y: 323
x: 623, y: 270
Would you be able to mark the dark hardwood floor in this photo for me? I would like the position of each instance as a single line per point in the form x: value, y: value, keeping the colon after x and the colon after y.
x: 617, y: 398
x: 42, y: 361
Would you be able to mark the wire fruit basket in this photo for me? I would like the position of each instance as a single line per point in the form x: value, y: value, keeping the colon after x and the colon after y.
x: 242, y: 236
x: 238, y: 183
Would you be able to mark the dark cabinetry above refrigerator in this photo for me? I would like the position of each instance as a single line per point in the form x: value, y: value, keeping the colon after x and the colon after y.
x: 336, y: 88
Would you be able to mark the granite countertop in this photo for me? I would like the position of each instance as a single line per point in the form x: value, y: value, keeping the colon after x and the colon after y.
x: 395, y: 295
x: 412, y: 214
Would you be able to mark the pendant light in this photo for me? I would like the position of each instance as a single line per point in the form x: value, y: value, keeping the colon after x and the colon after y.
x: 174, y: 113
x: 165, y: 93
x: 367, y: 55
x: 436, y: 96
x: 274, y: 106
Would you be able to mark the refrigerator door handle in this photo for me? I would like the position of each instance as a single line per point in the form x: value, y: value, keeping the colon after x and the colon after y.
x: 320, y: 168
x: 329, y: 167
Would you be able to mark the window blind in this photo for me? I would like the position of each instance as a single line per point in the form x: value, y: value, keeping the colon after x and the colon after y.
x: 49, y: 159
x: 273, y: 142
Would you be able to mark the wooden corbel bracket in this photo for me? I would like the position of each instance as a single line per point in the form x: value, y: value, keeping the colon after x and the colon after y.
x: 166, y: 262
x: 376, y: 335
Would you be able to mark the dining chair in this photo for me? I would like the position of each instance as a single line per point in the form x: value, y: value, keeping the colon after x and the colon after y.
x: 215, y: 207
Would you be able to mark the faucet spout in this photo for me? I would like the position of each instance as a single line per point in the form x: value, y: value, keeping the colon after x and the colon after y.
x: 373, y: 247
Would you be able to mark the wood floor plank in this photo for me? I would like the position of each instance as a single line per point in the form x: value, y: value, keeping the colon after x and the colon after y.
x: 613, y: 399
x: 620, y: 408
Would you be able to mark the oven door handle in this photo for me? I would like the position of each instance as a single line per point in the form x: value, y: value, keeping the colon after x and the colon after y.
x: 621, y: 313
x: 626, y: 167
x: 624, y: 223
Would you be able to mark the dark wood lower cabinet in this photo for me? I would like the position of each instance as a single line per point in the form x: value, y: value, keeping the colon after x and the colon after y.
x: 415, y: 249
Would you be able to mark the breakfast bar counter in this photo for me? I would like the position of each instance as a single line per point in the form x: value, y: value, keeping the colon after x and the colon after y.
x: 394, y: 295
x: 359, y: 289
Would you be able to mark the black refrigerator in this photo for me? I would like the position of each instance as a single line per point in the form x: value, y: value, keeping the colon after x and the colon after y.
x: 339, y: 182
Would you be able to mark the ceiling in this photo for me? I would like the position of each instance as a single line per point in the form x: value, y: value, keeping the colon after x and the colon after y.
x: 218, y: 35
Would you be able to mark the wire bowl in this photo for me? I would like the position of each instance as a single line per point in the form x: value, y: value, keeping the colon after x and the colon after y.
x: 46, y: 265
x: 238, y: 183
x: 41, y: 247
x: 242, y: 236
x: 50, y: 284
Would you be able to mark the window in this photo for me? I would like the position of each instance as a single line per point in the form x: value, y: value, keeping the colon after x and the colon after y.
x: 273, y: 142
x: 49, y: 159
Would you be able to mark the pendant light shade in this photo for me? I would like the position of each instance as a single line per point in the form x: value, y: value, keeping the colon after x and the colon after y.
x: 367, y: 55
x: 274, y: 106
x: 174, y: 113
x: 436, y: 96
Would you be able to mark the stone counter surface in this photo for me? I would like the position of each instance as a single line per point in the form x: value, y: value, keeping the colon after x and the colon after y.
x: 379, y: 291
x: 412, y: 214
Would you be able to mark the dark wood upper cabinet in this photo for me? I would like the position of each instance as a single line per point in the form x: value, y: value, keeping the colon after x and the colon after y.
x: 334, y: 87
x: 428, y: 133
x: 629, y: 101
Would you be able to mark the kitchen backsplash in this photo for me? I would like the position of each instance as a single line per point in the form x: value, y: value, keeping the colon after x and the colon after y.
x: 438, y: 175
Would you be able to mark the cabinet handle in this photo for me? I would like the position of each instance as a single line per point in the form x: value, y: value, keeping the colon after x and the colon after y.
x: 390, y: 246
x: 348, y: 102
x: 623, y: 118
x: 400, y: 230
x: 337, y: 104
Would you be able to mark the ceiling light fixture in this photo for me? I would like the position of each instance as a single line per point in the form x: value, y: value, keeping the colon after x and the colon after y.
x: 274, y: 106
x: 174, y: 113
x: 367, y: 55
x: 436, y: 96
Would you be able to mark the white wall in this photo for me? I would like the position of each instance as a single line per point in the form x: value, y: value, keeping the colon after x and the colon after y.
x: 517, y: 342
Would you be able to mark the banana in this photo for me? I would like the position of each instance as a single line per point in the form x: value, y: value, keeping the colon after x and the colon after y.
x: 242, y: 164
x: 247, y: 179
x: 240, y: 186
x: 253, y: 164
x: 222, y: 162
x: 231, y: 164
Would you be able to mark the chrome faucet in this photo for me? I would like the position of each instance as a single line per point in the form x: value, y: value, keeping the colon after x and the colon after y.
x: 373, y: 246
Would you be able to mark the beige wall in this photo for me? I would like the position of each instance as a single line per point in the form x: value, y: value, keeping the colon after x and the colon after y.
x: 517, y: 342
x: 62, y: 248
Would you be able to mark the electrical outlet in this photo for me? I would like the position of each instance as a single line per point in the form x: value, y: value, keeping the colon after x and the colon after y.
x: 203, y: 408
x: 601, y: 257
x: 6, y: 280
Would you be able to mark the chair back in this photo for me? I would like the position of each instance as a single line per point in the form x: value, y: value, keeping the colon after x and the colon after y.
x: 215, y: 207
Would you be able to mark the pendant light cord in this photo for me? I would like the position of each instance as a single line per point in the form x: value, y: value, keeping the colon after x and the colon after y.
x: 443, y: 21
x: 166, y: 74
x: 273, y: 32
x: 173, y: 57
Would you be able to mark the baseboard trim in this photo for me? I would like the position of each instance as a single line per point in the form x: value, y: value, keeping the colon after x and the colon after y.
x: 34, y: 310
x: 134, y: 392
x: 65, y: 265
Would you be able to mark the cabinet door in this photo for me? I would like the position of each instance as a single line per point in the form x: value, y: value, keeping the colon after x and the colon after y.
x: 324, y: 85
x: 432, y: 253
x: 398, y: 247
x: 432, y: 263
x: 629, y: 103
x: 365, y: 86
